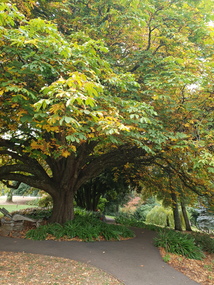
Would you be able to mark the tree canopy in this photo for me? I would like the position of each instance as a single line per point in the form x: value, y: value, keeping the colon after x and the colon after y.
x: 90, y: 85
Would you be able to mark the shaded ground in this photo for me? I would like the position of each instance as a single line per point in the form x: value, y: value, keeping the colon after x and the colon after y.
x: 35, y: 269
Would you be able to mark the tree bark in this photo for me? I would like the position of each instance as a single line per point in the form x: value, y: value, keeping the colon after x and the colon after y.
x: 186, y: 219
x: 63, y: 207
x: 88, y: 197
x: 175, y: 210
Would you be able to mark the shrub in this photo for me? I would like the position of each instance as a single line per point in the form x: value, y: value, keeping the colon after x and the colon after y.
x: 38, y: 234
x: 33, y: 202
x: 86, y: 227
x: 142, y: 211
x: 159, y: 215
x: 123, y: 218
x: 45, y: 201
x: 35, y: 213
x: 204, y: 241
x: 179, y: 243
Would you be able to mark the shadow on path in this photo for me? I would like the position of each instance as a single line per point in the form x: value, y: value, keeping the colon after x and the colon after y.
x: 135, y: 262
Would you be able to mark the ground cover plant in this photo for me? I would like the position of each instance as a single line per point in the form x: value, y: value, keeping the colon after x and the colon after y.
x: 190, y: 245
x: 86, y: 227
x: 179, y: 243
x: 204, y: 241
x: 129, y: 220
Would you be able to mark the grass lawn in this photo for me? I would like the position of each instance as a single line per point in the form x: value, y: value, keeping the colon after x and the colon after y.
x: 11, y: 208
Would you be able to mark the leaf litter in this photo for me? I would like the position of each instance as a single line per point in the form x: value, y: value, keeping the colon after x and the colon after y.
x: 34, y: 269
x: 201, y: 271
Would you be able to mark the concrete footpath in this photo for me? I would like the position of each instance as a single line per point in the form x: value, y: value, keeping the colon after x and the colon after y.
x: 134, y: 262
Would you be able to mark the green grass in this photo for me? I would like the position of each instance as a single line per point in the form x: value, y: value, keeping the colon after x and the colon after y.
x: 16, y: 207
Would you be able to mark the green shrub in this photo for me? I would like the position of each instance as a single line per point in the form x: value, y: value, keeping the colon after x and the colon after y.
x: 35, y: 213
x: 86, y: 227
x: 123, y: 218
x: 45, y: 201
x: 33, y: 202
x: 204, y: 241
x: 179, y: 243
x: 166, y: 258
x: 142, y: 211
x: 159, y: 215
x: 38, y: 234
x: 128, y: 220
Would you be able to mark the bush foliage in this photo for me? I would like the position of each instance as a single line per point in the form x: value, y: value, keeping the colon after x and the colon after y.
x: 87, y: 227
x: 204, y: 241
x: 179, y: 243
x: 35, y: 213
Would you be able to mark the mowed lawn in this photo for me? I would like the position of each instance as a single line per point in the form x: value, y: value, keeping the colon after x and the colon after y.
x: 13, y: 207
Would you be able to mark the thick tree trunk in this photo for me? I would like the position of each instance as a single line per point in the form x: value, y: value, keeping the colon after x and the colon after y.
x: 176, y: 216
x: 63, y: 207
x: 186, y: 219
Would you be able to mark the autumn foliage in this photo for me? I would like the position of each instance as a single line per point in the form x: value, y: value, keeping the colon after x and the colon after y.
x: 91, y: 85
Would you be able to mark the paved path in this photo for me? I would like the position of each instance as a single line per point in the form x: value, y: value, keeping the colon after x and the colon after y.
x: 135, y: 262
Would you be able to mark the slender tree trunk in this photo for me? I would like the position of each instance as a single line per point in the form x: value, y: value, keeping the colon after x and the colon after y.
x: 63, y: 207
x: 176, y: 216
x: 10, y: 196
x: 167, y: 221
x: 88, y: 197
x: 186, y: 219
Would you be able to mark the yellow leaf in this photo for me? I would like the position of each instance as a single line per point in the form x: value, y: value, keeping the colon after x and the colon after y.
x: 56, y: 107
x: 65, y: 153
x: 91, y: 135
x: 34, y: 145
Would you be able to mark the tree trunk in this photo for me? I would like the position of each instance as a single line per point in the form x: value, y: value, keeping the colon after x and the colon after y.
x: 10, y: 196
x: 87, y: 197
x: 186, y: 219
x: 176, y: 216
x: 63, y: 207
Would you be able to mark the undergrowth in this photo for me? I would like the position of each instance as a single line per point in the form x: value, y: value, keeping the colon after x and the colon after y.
x: 86, y: 228
x: 192, y: 245
x: 179, y: 243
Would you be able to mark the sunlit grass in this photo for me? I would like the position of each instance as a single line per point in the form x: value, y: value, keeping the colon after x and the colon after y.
x: 15, y: 207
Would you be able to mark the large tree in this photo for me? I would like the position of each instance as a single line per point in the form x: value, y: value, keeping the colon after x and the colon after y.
x: 78, y: 82
x: 61, y: 121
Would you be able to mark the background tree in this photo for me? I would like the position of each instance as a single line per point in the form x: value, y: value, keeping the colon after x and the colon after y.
x: 114, y: 188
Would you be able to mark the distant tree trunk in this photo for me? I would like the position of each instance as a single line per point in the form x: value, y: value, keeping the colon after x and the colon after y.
x: 175, y: 209
x: 167, y: 221
x: 186, y: 219
x: 88, y: 196
x: 10, y: 196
